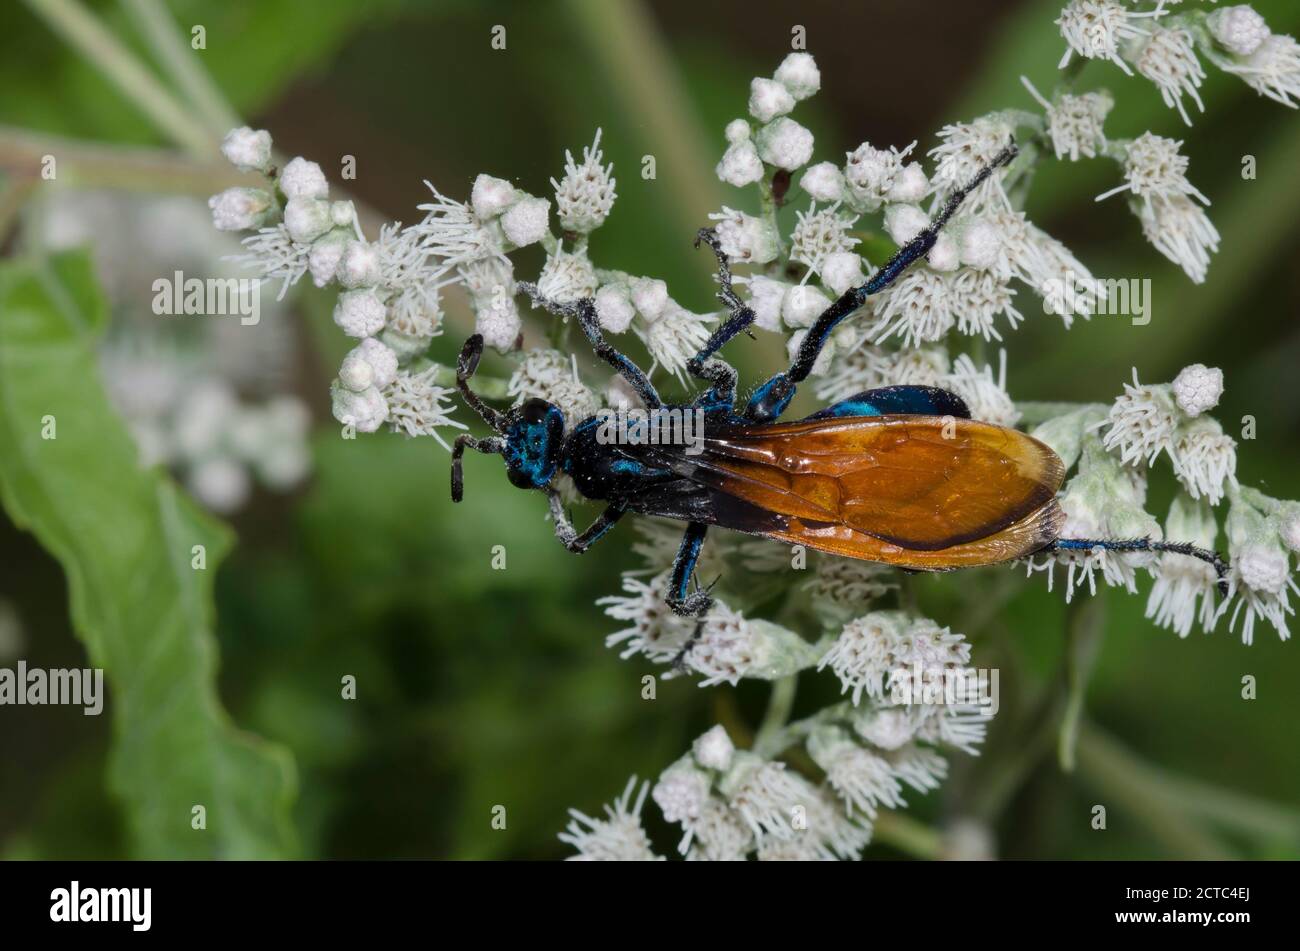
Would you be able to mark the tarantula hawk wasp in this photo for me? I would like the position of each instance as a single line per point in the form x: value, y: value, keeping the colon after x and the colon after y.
x: 900, y: 475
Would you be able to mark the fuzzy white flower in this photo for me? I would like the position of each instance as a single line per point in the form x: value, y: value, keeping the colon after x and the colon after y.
x: 527, y: 221
x: 798, y: 73
x: 368, y: 364
x: 822, y: 182
x: 649, y: 297
x: 802, y: 305
x: 1096, y: 29
x: 840, y: 271
x: 1239, y: 30
x: 1260, y: 579
x: 818, y: 234
x: 871, y: 174
x: 1184, y: 588
x: 1141, y: 423
x: 769, y: 99
x: 452, y: 232
x: 491, y: 196
x: 863, y: 654
x: 614, y: 307
x: 239, y: 209
x: 889, y: 728
x: 220, y: 483
x: 965, y: 150
x: 1273, y: 70
x: 766, y: 297
x: 675, y: 337
x: 359, y: 266
x: 985, y: 394
x: 1205, y: 459
x: 737, y: 130
x: 681, y: 791
x: 360, y: 313
x: 1180, y: 229
x: 552, y: 376
x: 862, y: 779
x: 1154, y: 166
x: 567, y: 276
x: 618, y: 837
x: 784, y: 143
x: 303, y: 179
x: 1075, y: 123
x: 584, y: 197
x: 919, y: 308
x: 740, y: 165
x: 905, y: 222
x: 717, y: 834
x: 765, y: 794
x: 491, y: 283
x: 366, y: 411
x: 745, y: 238
x: 247, y: 150
x: 325, y: 256
x: 653, y: 630
x: 1169, y: 60
x: 920, y: 767
x: 1197, y: 388
x: 713, y: 749
x: 417, y: 406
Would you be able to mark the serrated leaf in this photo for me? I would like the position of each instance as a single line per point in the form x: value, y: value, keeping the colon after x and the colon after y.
x: 125, y: 538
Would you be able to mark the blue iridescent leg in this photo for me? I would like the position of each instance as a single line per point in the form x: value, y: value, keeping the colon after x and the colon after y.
x: 698, y: 602
x: 1145, y: 544
x: 770, y: 400
x: 584, y: 311
x: 570, y: 537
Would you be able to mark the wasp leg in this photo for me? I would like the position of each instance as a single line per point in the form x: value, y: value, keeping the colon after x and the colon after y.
x: 699, y: 602
x: 771, y: 399
x: 719, y: 374
x: 462, y: 443
x: 584, y: 311
x: 570, y: 537
x: 1212, y: 558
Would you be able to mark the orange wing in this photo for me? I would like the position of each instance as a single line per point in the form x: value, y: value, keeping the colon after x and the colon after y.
x: 892, y: 488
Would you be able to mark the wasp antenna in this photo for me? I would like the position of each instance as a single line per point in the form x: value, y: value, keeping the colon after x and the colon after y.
x: 462, y: 443
x: 466, y: 364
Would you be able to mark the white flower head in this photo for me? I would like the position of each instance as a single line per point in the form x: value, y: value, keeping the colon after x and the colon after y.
x: 1205, y: 459
x: 1180, y: 229
x: 653, y: 628
x: 769, y: 99
x: 737, y: 130
x: 247, y: 150
x: 220, y: 483
x: 784, y: 143
x: 766, y: 795
x: 491, y: 285
x: 614, y: 307
x: 303, y: 179
x: 241, y: 209
x: 681, y: 791
x: 1273, y: 70
x: 802, y: 305
x: 1260, y: 579
x: 584, y: 197
x: 871, y: 175
x: 618, y: 837
x: 863, y: 654
x: 818, y: 234
x: 552, y: 376
x: 360, y: 313
x: 766, y: 297
x: 1154, y: 167
x: 740, y: 164
x: 1197, y: 388
x: 745, y: 238
x: 491, y: 196
x: 1239, y: 30
x: 889, y: 727
x: 359, y: 265
x: 527, y: 221
x: 965, y: 150
x: 985, y: 394
x: 1096, y: 29
x: 366, y: 410
x: 369, y: 363
x: 650, y: 297
x: 862, y: 779
x: 904, y: 222
x: 325, y: 256
x: 713, y: 749
x: 717, y: 834
x: 1141, y: 423
x: 1184, y: 588
x: 567, y: 276
x: 920, y: 308
x: 1168, y: 59
x: 840, y: 271
x: 920, y: 767
x: 417, y: 406
x: 823, y: 182
x: 675, y: 337
x: 798, y: 73
x: 452, y: 232
x: 978, y: 297
x: 1075, y: 124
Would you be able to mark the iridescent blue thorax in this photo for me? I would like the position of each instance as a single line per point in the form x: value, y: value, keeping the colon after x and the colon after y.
x: 534, y: 437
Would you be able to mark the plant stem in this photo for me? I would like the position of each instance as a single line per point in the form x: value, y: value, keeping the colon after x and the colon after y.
x: 159, y: 28
x: 907, y: 835
x: 779, y: 704
x: 1086, y: 621
x: 86, y: 33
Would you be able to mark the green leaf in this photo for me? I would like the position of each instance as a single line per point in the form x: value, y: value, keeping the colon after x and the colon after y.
x: 125, y: 538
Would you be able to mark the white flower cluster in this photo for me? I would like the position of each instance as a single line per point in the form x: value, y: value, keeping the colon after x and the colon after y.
x: 1115, y: 447
x: 1162, y: 46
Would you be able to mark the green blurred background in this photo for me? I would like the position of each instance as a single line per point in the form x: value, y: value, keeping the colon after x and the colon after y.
x: 481, y: 687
